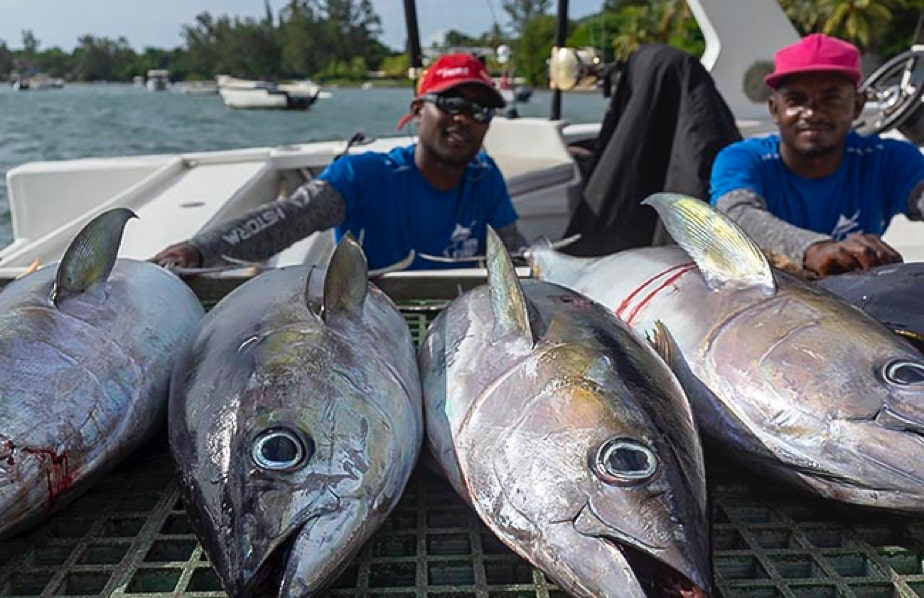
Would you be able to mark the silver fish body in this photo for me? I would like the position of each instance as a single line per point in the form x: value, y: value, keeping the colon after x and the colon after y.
x: 295, y: 424
x: 568, y: 435
x: 84, y: 379
x: 784, y: 375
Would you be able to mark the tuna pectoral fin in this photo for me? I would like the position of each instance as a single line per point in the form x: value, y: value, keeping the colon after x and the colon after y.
x: 346, y: 282
x: 508, y: 304
x: 91, y: 255
x: 724, y: 253
x: 661, y: 339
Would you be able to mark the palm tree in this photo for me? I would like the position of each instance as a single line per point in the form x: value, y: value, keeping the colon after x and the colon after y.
x: 673, y: 14
x: 634, y: 31
x: 862, y: 21
x: 806, y: 15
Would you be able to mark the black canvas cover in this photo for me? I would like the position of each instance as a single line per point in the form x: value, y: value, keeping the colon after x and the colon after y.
x: 665, y: 123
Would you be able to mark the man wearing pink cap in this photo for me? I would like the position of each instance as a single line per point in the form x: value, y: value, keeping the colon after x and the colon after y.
x: 819, y: 194
x: 434, y: 197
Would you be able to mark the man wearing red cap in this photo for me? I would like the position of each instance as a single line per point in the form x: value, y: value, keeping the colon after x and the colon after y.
x: 434, y: 197
x: 819, y: 194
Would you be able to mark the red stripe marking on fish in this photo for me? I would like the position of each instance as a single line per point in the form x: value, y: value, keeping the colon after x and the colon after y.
x: 625, y: 302
x: 56, y: 470
x: 676, y: 273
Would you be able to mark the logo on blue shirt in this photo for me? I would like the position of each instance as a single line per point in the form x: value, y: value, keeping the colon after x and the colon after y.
x: 461, y: 243
x: 846, y: 225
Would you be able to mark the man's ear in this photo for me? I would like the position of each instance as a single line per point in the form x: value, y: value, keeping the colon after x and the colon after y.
x: 771, y: 108
x: 859, y: 103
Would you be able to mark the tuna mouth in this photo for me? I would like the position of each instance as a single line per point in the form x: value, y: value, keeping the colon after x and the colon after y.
x: 657, y: 579
x: 265, y: 581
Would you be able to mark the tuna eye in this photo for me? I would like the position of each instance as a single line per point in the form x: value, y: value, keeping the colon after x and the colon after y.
x: 278, y: 449
x: 904, y: 372
x: 624, y: 461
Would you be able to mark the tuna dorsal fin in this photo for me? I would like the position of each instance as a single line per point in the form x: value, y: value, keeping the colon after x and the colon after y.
x: 346, y: 281
x: 91, y: 255
x: 508, y: 304
x: 725, y: 254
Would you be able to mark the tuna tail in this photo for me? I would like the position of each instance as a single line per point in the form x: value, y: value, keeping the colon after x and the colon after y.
x: 546, y: 262
x: 725, y: 254
x: 346, y: 282
x: 91, y: 255
x: 508, y: 304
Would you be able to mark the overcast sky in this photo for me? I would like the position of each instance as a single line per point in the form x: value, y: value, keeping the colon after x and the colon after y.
x: 158, y: 23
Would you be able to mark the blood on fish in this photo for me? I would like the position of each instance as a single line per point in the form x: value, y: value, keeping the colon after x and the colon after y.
x: 56, y: 468
x: 681, y: 270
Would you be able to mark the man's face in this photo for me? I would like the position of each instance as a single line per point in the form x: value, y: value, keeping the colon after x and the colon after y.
x: 814, y: 112
x: 453, y: 139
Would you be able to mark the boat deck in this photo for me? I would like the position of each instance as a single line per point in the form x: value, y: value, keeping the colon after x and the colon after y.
x: 129, y: 536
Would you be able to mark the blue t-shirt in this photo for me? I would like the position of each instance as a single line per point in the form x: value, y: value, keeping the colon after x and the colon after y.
x: 391, y: 208
x: 871, y: 185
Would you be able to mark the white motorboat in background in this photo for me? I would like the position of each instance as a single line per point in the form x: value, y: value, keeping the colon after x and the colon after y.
x: 158, y: 80
x: 179, y: 195
x: 23, y: 82
x: 250, y: 94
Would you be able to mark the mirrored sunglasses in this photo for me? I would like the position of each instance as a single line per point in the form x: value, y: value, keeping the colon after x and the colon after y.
x: 454, y: 105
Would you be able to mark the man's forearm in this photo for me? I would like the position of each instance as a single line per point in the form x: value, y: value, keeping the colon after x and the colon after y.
x: 771, y: 234
x: 270, y: 228
x: 511, y: 237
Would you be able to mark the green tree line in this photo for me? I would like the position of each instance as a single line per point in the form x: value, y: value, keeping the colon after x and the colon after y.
x: 340, y: 39
x: 319, y: 38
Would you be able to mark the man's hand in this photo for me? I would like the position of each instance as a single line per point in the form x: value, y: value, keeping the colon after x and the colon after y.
x: 856, y: 252
x: 178, y: 255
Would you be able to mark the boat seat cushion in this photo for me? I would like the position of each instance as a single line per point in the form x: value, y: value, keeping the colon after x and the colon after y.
x: 524, y: 175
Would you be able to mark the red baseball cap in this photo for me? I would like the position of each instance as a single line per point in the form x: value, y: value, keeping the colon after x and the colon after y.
x: 815, y: 53
x: 451, y: 70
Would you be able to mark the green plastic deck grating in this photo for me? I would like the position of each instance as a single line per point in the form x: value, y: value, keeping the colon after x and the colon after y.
x: 130, y: 537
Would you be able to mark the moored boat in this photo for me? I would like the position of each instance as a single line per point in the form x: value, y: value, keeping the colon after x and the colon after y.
x: 252, y: 94
x: 22, y: 82
x: 157, y: 80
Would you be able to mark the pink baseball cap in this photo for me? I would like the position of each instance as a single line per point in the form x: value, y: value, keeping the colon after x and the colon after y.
x: 450, y: 70
x: 815, y: 53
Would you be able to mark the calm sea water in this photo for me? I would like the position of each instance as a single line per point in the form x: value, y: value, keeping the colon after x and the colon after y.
x: 113, y: 120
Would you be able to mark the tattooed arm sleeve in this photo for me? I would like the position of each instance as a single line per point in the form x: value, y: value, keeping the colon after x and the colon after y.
x: 271, y: 227
x: 511, y: 237
x: 771, y: 234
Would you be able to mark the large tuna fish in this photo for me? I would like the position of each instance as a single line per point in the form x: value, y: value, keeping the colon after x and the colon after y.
x: 86, y: 351
x: 295, y: 424
x: 571, y: 438
x: 785, y: 375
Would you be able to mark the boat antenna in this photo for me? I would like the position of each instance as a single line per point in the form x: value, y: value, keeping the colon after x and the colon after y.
x: 493, y: 14
x: 561, y: 35
x: 413, y: 40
